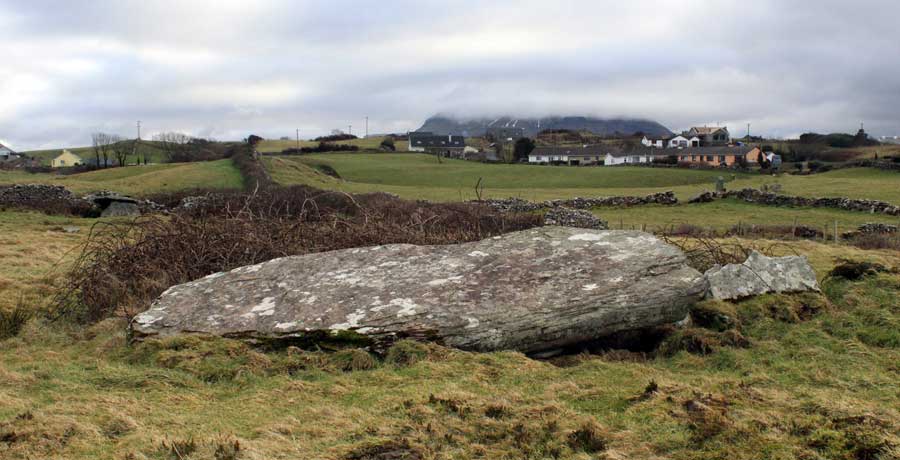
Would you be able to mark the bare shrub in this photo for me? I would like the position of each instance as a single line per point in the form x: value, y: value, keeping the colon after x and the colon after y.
x: 704, y: 253
x: 124, y: 265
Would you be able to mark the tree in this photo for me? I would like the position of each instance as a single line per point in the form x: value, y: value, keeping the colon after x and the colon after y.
x: 254, y: 139
x: 175, y: 146
x: 121, y: 148
x: 523, y: 147
x: 101, y: 143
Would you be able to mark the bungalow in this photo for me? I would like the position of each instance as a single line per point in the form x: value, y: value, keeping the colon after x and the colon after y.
x: 719, y: 156
x: 438, y: 144
x: 572, y: 156
x: 639, y: 155
x: 66, y: 159
x: 710, y: 135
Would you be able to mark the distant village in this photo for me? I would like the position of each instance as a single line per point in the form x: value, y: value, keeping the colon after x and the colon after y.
x: 697, y: 147
x: 703, y: 146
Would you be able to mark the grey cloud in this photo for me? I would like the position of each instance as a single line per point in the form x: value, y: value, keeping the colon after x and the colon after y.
x: 228, y: 68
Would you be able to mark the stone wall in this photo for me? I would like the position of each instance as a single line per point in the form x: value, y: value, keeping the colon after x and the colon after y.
x: 56, y: 199
x: 520, y: 205
x: 52, y: 199
x: 751, y: 195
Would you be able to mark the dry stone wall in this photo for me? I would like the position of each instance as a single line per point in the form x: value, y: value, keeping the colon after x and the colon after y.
x: 520, y: 205
x: 751, y: 195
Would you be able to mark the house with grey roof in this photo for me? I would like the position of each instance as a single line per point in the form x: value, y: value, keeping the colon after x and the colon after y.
x: 7, y: 153
x: 572, y: 156
x: 437, y: 144
x: 710, y: 135
x: 594, y: 155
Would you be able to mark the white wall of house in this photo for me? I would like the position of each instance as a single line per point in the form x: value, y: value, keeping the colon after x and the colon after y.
x: 581, y: 158
x: 684, y: 142
x: 627, y: 159
x: 658, y: 143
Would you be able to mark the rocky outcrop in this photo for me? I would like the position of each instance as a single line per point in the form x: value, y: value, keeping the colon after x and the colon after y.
x: 761, y: 275
x: 531, y: 290
x: 112, y: 204
x: 520, y: 205
x: 578, y: 218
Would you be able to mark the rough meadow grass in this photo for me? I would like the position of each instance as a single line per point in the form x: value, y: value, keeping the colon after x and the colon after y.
x: 139, y: 180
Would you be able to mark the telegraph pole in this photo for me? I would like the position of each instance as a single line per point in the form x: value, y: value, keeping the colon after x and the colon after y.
x: 748, y: 132
x: 139, y: 129
x: 367, y: 127
x: 350, y: 129
x: 298, y: 138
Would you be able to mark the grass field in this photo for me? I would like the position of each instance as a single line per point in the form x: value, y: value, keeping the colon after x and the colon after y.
x: 726, y: 214
x: 370, y: 143
x: 816, y: 377
x: 154, y: 153
x: 139, y: 180
x: 422, y: 176
x: 813, y: 387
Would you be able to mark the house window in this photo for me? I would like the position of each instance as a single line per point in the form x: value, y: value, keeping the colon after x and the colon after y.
x: 721, y: 158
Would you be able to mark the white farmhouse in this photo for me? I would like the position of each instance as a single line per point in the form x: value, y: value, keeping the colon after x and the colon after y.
x: 572, y: 156
x: 7, y: 153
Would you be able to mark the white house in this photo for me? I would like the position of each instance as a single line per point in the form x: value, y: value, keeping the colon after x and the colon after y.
x: 572, y: 156
x: 637, y: 156
x: 658, y: 142
x: 7, y: 153
x: 680, y: 142
x: 594, y: 155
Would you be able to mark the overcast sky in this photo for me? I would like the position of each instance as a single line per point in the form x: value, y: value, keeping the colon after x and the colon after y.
x: 225, y: 68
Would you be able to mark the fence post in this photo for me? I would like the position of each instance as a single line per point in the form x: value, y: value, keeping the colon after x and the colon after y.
x: 835, y: 232
x: 794, y: 229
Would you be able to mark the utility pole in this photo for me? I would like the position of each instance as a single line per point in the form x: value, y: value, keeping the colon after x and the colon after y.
x: 298, y: 138
x: 367, y: 127
x: 350, y: 129
x: 134, y: 147
x: 748, y: 132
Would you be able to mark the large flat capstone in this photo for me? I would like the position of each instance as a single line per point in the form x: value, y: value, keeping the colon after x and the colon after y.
x: 531, y: 290
x: 760, y: 274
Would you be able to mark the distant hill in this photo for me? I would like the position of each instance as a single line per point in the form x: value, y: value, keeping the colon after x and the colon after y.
x: 478, y: 127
